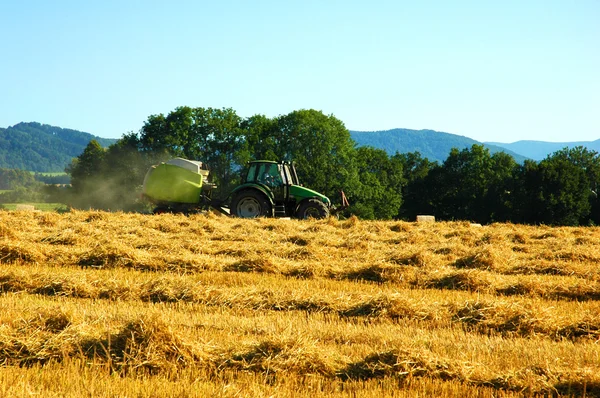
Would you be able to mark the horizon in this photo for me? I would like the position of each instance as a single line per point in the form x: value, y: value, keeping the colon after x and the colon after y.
x: 501, y: 72
x: 357, y: 131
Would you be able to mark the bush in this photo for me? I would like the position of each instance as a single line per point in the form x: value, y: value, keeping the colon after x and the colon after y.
x: 21, y: 194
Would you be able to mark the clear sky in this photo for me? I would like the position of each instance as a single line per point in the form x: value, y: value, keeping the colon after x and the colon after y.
x: 489, y: 70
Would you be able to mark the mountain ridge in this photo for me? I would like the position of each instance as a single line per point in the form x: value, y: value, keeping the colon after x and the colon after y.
x: 431, y: 144
x: 41, y: 147
x: 44, y: 148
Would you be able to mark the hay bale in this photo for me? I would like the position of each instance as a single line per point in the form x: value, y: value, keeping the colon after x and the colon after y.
x: 25, y: 207
x: 423, y: 218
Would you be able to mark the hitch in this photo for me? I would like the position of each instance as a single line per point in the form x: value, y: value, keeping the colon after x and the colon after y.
x: 345, y: 204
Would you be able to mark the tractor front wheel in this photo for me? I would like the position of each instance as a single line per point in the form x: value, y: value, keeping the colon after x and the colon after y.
x: 250, y: 204
x: 312, y: 208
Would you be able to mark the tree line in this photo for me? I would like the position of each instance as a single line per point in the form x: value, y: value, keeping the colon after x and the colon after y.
x: 471, y: 184
x: 19, y: 185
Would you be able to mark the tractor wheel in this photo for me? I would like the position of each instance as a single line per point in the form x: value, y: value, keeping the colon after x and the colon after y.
x: 312, y: 208
x: 250, y: 204
x: 161, y: 210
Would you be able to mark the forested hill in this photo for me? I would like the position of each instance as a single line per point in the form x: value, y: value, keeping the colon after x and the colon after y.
x: 42, y: 148
x: 433, y: 145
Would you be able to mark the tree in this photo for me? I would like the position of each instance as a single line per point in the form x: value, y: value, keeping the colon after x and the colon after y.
x: 322, y: 148
x: 526, y: 195
x: 416, y: 193
x: 556, y: 191
x: 462, y: 184
x: 589, y: 162
x: 13, y: 178
x: 86, y: 172
x: 124, y: 171
x: 108, y: 179
x: 262, y: 137
x: 379, y: 195
x: 220, y: 143
x: 498, y: 198
x: 470, y: 185
x: 86, y: 166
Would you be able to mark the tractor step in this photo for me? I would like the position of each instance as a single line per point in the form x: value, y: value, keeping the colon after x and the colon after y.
x: 280, y: 211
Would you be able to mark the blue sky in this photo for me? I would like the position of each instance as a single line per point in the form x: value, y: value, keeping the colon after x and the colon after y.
x: 492, y: 71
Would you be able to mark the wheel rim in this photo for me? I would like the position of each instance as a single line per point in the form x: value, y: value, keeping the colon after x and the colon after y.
x: 312, y: 212
x: 248, y: 208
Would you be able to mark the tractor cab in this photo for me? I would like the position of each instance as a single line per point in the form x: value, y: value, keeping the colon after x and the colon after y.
x: 273, y: 173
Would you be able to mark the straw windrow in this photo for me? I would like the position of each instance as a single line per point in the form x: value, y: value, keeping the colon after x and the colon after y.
x: 504, y: 308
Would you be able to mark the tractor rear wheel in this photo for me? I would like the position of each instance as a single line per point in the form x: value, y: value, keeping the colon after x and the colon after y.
x: 312, y: 208
x: 250, y: 204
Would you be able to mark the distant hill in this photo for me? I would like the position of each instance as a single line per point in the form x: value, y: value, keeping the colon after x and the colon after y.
x: 538, y: 150
x: 433, y: 145
x: 42, y: 148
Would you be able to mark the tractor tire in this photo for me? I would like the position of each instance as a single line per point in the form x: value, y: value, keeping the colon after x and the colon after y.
x: 312, y: 208
x: 161, y: 210
x: 250, y: 204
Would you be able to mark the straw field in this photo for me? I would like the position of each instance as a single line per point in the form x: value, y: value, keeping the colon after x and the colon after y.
x: 112, y: 304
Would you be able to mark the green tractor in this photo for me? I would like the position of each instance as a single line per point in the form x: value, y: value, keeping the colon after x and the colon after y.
x: 268, y: 189
x: 272, y: 189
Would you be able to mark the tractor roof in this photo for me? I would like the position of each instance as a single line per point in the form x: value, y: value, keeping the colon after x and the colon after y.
x: 263, y: 161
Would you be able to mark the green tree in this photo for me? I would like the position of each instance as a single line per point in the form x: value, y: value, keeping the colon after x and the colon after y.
x: 163, y: 137
x: 498, y: 197
x: 471, y: 185
x: 21, y: 194
x: 381, y: 180
x: 262, y: 137
x: 322, y: 148
x: 14, y: 178
x: 527, y: 194
x: 87, y: 177
x: 416, y: 193
x: 557, y: 190
x: 124, y: 171
x: 108, y: 179
x: 86, y: 166
x: 222, y: 144
x: 589, y: 162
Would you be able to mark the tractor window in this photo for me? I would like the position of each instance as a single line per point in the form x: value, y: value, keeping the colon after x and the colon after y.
x: 285, y: 171
x: 290, y: 171
x: 251, y: 176
x: 269, y: 175
x: 282, y: 174
x: 260, y: 173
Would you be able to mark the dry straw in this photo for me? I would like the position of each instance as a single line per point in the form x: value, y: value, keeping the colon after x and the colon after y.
x: 504, y: 308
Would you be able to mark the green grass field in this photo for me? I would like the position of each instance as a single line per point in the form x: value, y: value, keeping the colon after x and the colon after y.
x: 38, y: 206
x: 50, y: 174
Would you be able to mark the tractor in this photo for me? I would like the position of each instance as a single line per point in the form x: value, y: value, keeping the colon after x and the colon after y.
x: 268, y: 189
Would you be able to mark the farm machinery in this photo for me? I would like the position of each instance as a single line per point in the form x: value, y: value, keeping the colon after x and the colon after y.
x: 268, y: 189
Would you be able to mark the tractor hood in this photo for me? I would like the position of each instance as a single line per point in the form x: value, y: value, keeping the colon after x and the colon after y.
x: 298, y: 192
